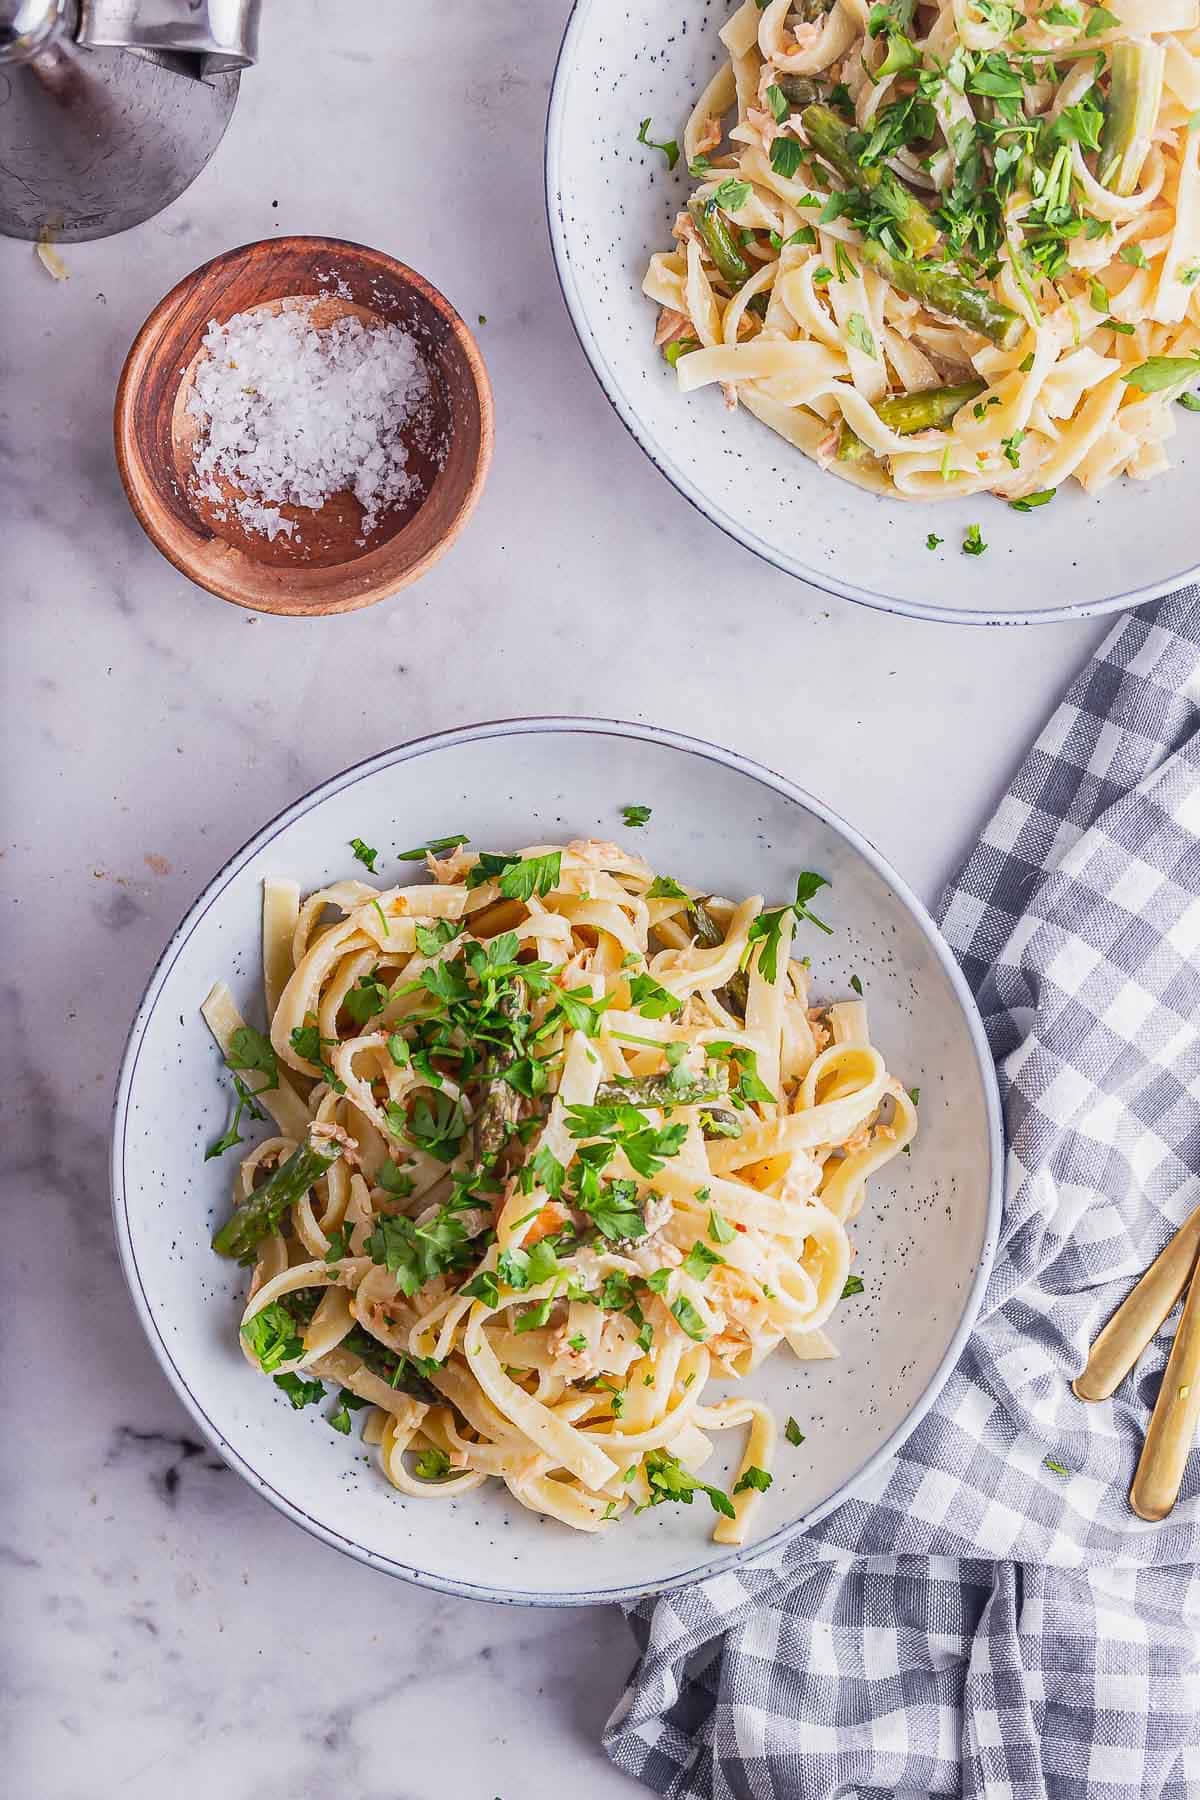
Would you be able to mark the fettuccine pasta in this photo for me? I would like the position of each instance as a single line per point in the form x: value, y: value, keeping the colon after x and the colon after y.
x: 946, y: 248
x: 557, y: 1144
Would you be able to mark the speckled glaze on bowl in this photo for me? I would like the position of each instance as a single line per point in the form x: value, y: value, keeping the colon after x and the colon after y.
x: 611, y: 202
x: 719, y: 821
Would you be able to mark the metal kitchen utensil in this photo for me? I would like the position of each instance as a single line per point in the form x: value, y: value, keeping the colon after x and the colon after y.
x: 110, y: 108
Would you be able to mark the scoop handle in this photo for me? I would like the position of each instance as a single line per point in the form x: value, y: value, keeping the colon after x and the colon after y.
x: 1139, y: 1315
x: 1173, y: 1422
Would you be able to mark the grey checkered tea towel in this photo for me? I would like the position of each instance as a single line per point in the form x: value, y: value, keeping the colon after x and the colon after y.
x: 988, y: 1618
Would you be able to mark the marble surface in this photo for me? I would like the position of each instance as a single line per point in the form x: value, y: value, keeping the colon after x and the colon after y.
x: 163, y: 1629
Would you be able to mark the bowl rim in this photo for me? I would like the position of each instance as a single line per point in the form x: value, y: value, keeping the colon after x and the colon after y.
x: 124, y: 437
x: 429, y: 745
x: 818, y: 575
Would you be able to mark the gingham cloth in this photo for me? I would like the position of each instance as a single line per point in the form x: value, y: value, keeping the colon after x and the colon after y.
x: 973, y: 1622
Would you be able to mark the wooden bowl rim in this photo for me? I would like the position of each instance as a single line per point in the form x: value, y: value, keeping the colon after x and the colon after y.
x: 151, y: 333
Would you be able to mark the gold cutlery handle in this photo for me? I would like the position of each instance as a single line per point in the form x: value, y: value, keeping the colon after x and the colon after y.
x: 1139, y: 1315
x: 1173, y: 1422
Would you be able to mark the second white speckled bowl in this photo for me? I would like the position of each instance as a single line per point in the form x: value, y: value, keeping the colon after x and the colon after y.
x: 925, y: 1237
x: 611, y: 202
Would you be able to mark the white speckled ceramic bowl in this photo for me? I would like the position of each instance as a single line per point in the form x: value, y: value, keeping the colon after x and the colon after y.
x: 717, y: 821
x: 611, y: 202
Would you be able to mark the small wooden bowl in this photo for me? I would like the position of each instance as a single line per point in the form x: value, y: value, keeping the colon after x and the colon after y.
x: 325, y: 566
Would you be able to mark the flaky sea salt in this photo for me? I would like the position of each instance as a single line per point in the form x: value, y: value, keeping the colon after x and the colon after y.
x: 292, y: 413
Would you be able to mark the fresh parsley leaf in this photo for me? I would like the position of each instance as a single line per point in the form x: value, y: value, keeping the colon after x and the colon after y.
x: 1159, y: 372
x: 754, y: 1480
x: 548, y: 1172
x: 249, y: 1049
x: 719, y: 1229
x: 245, y: 1104
x: 534, y: 1317
x: 300, y: 1392
x: 577, y: 1342
x: 973, y: 544
x: 651, y: 999
x: 793, y: 1433
x: 1100, y: 19
x: 857, y: 985
x: 339, y: 1243
x: 640, y: 815
x: 1012, y: 451
x: 669, y: 148
x: 433, y: 848
x: 483, y: 1286
x: 437, y: 1125
x: 432, y: 1465
x: 688, y: 1318
x: 536, y: 875
x: 365, y: 999
x: 932, y: 541
x: 663, y: 888
x: 414, y: 1253
x: 853, y: 1286
x: 393, y: 1181
x: 431, y: 938
x: 730, y: 196
x: 364, y: 853
x: 777, y: 100
x: 1134, y: 255
x: 272, y: 1337
x: 1043, y: 498
x: 615, y: 1211
x: 700, y: 1261
x: 667, y: 1479
x: 787, y: 153
x: 397, y: 1049
x: 1190, y: 402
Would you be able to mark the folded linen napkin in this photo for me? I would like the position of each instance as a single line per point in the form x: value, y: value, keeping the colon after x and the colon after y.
x: 976, y: 1621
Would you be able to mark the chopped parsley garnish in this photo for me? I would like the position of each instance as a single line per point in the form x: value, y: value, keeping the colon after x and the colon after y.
x: 973, y: 544
x: 859, y: 334
x: 700, y: 1261
x: 651, y: 999
x: 793, y: 1433
x: 1042, y: 498
x: 857, y: 985
x: 778, y: 102
x: 932, y: 541
x: 272, y: 1337
x: 669, y: 1480
x: 433, y: 848
x: 300, y: 1392
x: 339, y: 1418
x: 1159, y: 372
x: 669, y: 148
x: 640, y: 815
x: 719, y: 1229
x: 787, y: 153
x: 853, y: 1286
x: 755, y: 1480
x: 688, y: 1318
x: 364, y: 853
x: 663, y: 888
x: 432, y: 1465
x: 730, y: 196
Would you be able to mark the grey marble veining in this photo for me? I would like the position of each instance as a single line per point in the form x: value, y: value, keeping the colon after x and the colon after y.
x: 163, y: 1630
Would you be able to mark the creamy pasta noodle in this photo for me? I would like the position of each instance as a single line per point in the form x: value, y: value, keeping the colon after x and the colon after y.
x: 559, y: 1144
x: 946, y: 248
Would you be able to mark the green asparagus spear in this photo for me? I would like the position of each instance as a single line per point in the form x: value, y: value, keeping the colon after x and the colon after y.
x: 832, y: 139
x: 262, y: 1213
x: 1134, y: 92
x: 731, y: 264
x: 945, y: 293
x: 802, y: 90
x: 906, y: 413
x: 709, y: 934
x: 499, y: 1103
x: 664, y: 1090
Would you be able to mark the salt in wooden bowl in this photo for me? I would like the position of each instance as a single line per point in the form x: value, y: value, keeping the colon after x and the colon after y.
x: 326, y: 565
